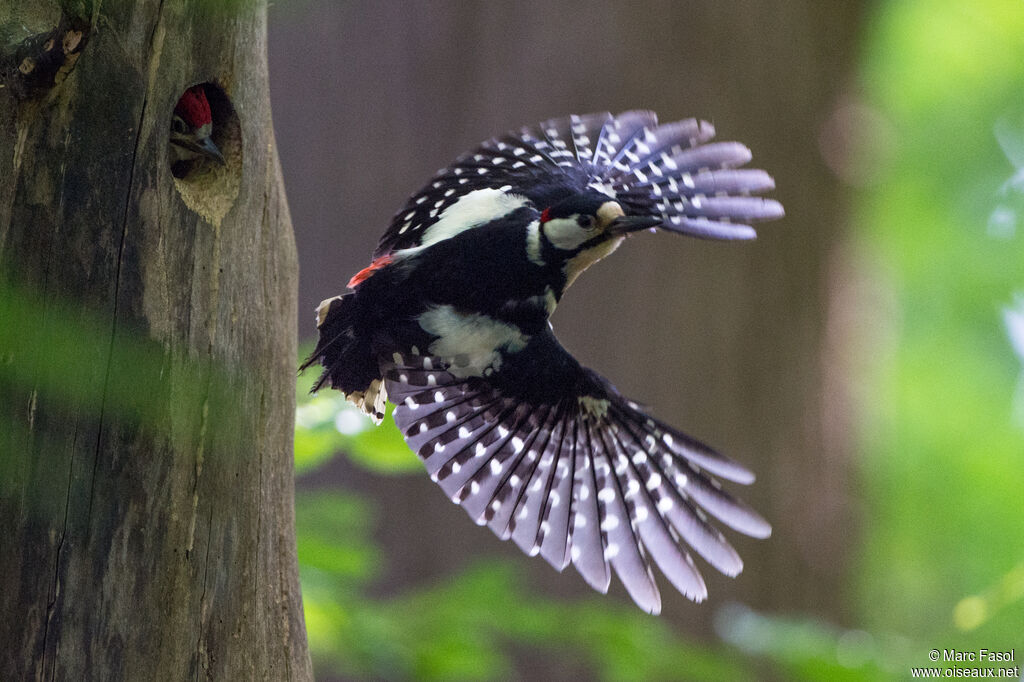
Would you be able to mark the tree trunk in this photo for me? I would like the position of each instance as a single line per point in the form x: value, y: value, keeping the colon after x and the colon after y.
x: 147, y: 352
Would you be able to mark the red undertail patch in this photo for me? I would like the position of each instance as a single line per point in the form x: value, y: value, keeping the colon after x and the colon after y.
x: 365, y: 273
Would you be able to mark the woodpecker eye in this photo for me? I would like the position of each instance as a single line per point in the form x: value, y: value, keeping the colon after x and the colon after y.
x: 178, y: 125
x: 585, y: 221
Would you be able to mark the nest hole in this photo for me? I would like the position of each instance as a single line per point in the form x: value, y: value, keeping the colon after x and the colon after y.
x: 206, y: 185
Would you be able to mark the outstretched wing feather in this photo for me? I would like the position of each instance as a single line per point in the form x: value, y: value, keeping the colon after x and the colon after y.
x: 658, y: 170
x: 603, y: 489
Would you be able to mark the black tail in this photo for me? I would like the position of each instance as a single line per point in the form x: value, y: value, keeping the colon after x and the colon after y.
x: 348, y: 362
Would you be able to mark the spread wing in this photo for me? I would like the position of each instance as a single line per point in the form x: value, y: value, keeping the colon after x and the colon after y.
x: 671, y: 171
x: 549, y: 454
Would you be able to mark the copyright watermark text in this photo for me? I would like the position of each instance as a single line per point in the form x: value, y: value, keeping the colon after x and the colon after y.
x: 980, y: 663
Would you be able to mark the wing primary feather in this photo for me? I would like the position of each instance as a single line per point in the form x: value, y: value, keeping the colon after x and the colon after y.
x: 707, y: 492
x: 726, y: 508
x: 502, y: 522
x: 622, y: 546
x: 554, y: 545
x: 703, y: 228
x: 672, y: 505
x: 479, y: 495
x: 712, y: 155
x: 655, y: 529
x: 733, y: 208
x: 690, y: 448
x: 654, y: 148
x: 588, y: 544
x: 542, y: 493
x: 525, y: 523
x: 712, y: 182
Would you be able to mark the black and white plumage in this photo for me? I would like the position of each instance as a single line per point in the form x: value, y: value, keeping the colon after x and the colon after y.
x: 450, y: 322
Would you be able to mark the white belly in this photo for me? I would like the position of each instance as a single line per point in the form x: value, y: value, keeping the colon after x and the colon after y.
x: 470, y: 343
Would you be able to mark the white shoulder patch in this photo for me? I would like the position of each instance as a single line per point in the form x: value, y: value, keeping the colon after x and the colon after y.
x: 533, y: 243
x: 472, y: 210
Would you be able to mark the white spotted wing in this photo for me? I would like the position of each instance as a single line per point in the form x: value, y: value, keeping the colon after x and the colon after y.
x: 672, y: 171
x: 589, y: 480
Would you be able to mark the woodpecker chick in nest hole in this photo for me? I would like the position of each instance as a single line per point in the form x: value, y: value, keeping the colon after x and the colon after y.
x: 191, y: 130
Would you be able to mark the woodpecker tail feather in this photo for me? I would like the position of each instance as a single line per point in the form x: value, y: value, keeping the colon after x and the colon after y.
x: 349, y: 365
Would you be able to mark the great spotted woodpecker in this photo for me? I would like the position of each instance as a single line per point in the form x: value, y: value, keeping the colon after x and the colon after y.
x: 450, y: 322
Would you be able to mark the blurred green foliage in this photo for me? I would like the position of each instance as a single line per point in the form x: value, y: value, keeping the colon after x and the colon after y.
x: 943, y: 226
x: 326, y: 424
x: 453, y: 630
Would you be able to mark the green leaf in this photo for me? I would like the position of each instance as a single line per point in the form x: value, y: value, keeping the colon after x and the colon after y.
x: 326, y: 424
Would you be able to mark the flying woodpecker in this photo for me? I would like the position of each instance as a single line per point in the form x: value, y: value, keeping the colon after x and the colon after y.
x: 191, y: 128
x: 450, y: 321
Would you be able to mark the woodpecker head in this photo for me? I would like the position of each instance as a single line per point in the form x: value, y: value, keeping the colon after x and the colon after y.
x: 191, y: 128
x: 583, y: 228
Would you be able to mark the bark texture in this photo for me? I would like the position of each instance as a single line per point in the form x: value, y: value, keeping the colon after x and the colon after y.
x: 147, y: 361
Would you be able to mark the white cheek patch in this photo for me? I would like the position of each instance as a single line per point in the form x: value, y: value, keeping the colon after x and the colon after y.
x: 566, y: 233
x: 469, y: 342
x: 472, y: 210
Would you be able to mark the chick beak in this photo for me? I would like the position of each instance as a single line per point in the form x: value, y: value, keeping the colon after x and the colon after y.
x: 631, y: 223
x: 207, y: 148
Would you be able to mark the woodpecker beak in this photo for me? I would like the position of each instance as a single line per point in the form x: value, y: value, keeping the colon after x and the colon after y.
x: 207, y: 148
x: 616, y: 223
x: 198, y: 146
x: 631, y: 223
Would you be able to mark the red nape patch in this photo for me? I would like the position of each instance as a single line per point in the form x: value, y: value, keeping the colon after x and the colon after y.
x: 365, y: 273
x: 194, y: 108
x: 545, y: 215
